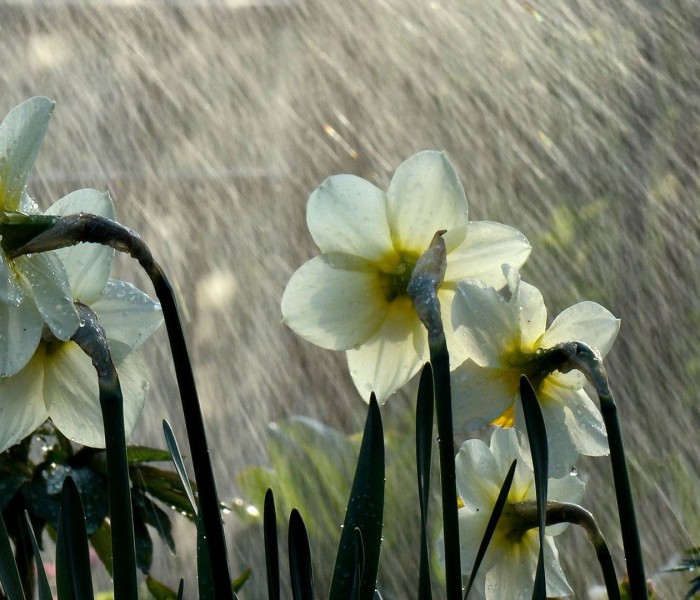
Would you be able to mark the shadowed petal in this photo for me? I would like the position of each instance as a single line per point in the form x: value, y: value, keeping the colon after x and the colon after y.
x: 22, y: 407
x: 424, y: 196
x: 51, y: 292
x: 335, y: 307
x: 11, y: 292
x: 388, y: 360
x: 479, y: 478
x: 348, y: 214
x: 88, y: 265
x: 20, y: 333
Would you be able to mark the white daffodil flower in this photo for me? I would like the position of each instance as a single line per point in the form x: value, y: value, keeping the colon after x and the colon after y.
x: 511, y: 558
x: 353, y: 296
x: 34, y: 289
x: 504, y: 339
x: 60, y: 381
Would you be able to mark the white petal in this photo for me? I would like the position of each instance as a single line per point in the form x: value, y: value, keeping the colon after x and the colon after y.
x: 582, y: 418
x: 22, y: 407
x: 472, y: 526
x: 586, y: 322
x: 479, y: 477
x: 20, y: 332
x: 127, y: 314
x: 88, y: 265
x: 485, y: 324
x: 389, y: 359
x: 11, y: 291
x: 557, y: 585
x: 486, y: 248
x: 424, y: 196
x: 51, y: 292
x: 480, y: 394
x: 348, y: 214
x: 455, y: 349
x: 532, y: 315
x: 335, y: 304
x: 21, y: 135
x: 72, y: 394
x: 513, y: 576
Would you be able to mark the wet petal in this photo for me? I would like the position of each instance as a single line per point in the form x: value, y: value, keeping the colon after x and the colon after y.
x: 480, y: 394
x: 532, y: 315
x: 485, y: 324
x: 72, y: 394
x: 334, y: 303
x: 11, y: 291
x: 487, y: 247
x: 20, y: 333
x: 88, y: 265
x: 586, y: 322
x: 51, y: 292
x: 472, y: 526
x: 348, y: 214
x: 22, y: 407
x: 557, y: 585
x: 21, y: 135
x: 424, y: 196
x: 478, y: 476
x: 388, y: 360
x: 582, y: 418
x: 127, y: 314
x: 513, y: 576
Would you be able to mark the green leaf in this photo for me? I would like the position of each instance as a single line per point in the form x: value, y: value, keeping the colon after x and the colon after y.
x: 365, y: 511
x: 159, y: 590
x: 301, y: 573
x: 101, y: 541
x: 155, y: 517
x: 73, y: 579
x: 42, y: 581
x: 9, y: 486
x: 271, y: 549
x: 205, y: 580
x: 165, y: 486
x: 537, y: 436
x: 9, y: 576
x: 491, y: 525
x: 143, y: 545
x: 425, y: 408
x: 179, y: 463
x: 238, y: 583
x: 142, y: 454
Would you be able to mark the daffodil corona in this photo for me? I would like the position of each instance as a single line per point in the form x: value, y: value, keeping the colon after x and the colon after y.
x: 511, y: 558
x: 507, y: 337
x: 59, y: 380
x: 353, y: 296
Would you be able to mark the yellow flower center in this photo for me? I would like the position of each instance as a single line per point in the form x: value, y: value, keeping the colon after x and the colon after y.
x: 394, y: 281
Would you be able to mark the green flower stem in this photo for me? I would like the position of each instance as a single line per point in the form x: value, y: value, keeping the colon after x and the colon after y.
x: 74, y: 229
x: 590, y: 363
x: 565, y: 512
x: 91, y: 339
x: 422, y: 288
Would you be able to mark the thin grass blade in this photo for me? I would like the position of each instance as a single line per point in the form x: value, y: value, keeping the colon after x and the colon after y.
x: 537, y: 436
x: 365, y: 511
x: 42, y: 581
x: 9, y: 575
x: 425, y: 408
x: 301, y: 573
x: 491, y: 525
x: 175, y: 454
x: 272, y: 561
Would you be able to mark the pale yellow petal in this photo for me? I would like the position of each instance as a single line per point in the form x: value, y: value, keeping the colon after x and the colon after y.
x: 424, y: 196
x: 389, y: 359
x: 335, y: 301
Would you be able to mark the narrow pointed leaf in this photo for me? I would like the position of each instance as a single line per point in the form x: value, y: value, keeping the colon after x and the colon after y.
x: 537, y: 436
x: 359, y: 565
x: 425, y: 408
x: 181, y: 590
x: 300, y: 570
x: 9, y: 576
x: 42, y: 581
x: 179, y: 463
x: 272, y: 561
x: 73, y: 578
x: 491, y: 525
x: 365, y: 511
x: 205, y: 581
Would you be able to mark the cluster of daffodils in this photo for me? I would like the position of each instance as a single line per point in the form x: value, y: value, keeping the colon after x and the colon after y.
x: 354, y: 297
x: 42, y: 372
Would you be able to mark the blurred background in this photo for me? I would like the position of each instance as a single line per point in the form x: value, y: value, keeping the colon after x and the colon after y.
x: 211, y: 122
